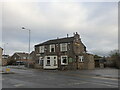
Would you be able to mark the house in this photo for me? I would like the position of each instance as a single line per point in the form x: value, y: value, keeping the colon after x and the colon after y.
x: 32, y: 60
x: 1, y: 51
x: 19, y: 57
x: 32, y: 56
x: 5, y: 59
x: 99, y: 61
x: 64, y: 53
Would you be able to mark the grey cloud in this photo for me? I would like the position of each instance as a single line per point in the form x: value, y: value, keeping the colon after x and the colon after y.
x: 98, y: 30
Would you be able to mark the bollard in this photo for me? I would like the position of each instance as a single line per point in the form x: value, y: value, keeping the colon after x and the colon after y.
x: 7, y: 70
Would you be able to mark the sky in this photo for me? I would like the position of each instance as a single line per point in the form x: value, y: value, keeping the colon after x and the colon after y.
x: 96, y: 22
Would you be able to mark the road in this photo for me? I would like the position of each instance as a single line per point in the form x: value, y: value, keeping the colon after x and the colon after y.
x: 34, y: 78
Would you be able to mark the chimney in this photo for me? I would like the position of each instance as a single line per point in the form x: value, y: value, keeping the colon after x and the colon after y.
x: 74, y: 34
x: 67, y: 35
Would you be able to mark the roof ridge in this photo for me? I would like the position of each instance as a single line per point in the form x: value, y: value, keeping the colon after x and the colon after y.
x: 60, y: 40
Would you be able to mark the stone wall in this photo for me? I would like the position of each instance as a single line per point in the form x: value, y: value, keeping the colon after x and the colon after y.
x: 89, y: 61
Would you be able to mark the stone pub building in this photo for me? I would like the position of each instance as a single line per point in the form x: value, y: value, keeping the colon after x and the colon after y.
x: 67, y: 53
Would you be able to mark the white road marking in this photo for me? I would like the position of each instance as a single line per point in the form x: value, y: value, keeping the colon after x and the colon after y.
x: 18, y: 85
x: 78, y: 83
x: 105, y: 84
x: 105, y: 78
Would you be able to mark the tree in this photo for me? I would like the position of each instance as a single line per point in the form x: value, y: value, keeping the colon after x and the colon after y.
x: 115, y: 53
x: 115, y: 56
x: 96, y: 56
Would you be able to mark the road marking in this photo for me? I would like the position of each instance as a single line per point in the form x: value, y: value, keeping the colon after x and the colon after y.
x: 106, y: 78
x: 18, y: 85
x: 105, y: 84
x: 92, y: 77
x: 77, y: 83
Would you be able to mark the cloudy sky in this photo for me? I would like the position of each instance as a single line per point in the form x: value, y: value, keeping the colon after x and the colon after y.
x: 96, y: 22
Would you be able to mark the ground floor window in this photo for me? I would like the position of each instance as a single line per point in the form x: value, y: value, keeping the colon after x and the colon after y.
x: 80, y: 58
x: 41, y: 61
x: 48, y: 62
x: 64, y: 60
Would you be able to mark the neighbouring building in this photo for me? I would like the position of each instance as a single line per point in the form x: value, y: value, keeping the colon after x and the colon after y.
x: 5, y: 59
x: 1, y: 51
x: 64, y: 54
x: 32, y: 59
x: 99, y: 61
x: 19, y: 57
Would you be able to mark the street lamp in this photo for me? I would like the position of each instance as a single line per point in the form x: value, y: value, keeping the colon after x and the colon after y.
x: 29, y: 43
x: 4, y: 46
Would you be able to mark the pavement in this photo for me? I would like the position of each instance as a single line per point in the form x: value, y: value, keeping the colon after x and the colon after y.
x: 35, y: 78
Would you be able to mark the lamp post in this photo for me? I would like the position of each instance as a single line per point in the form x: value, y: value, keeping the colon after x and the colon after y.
x: 4, y: 46
x: 29, y: 42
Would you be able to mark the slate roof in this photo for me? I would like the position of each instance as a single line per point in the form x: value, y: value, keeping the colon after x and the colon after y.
x: 56, y: 41
x: 22, y: 54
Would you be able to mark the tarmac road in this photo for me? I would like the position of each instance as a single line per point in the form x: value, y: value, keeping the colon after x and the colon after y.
x: 34, y: 78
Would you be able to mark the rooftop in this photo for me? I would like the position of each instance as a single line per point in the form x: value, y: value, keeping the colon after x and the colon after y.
x: 56, y: 41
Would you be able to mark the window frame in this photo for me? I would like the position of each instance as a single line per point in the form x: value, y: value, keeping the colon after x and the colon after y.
x: 66, y: 60
x: 48, y: 58
x: 40, y: 61
x: 52, y: 46
x: 63, y: 47
x: 42, y: 49
x: 81, y: 59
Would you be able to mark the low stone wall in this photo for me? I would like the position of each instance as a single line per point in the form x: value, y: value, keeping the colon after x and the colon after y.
x: 37, y: 66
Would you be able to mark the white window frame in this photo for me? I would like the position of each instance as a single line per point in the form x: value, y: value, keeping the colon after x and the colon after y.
x: 40, y: 59
x: 49, y: 60
x: 55, y: 60
x: 63, y: 47
x: 15, y: 58
x: 80, y: 58
x: 42, y: 49
x: 52, y: 46
x: 62, y: 60
x: 24, y: 57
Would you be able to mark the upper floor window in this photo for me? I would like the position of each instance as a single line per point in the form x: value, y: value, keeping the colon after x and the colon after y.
x: 63, y: 47
x: 52, y: 48
x: 42, y: 49
x: 24, y: 57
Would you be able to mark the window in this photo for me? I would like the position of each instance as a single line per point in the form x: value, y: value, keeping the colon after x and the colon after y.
x: 42, y: 48
x: 80, y: 58
x: 64, y: 60
x: 55, y: 63
x: 24, y: 57
x: 41, y: 61
x: 63, y: 47
x: 48, y: 62
x: 55, y: 60
x: 48, y: 57
x: 54, y: 57
x: 15, y: 58
x: 52, y: 48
